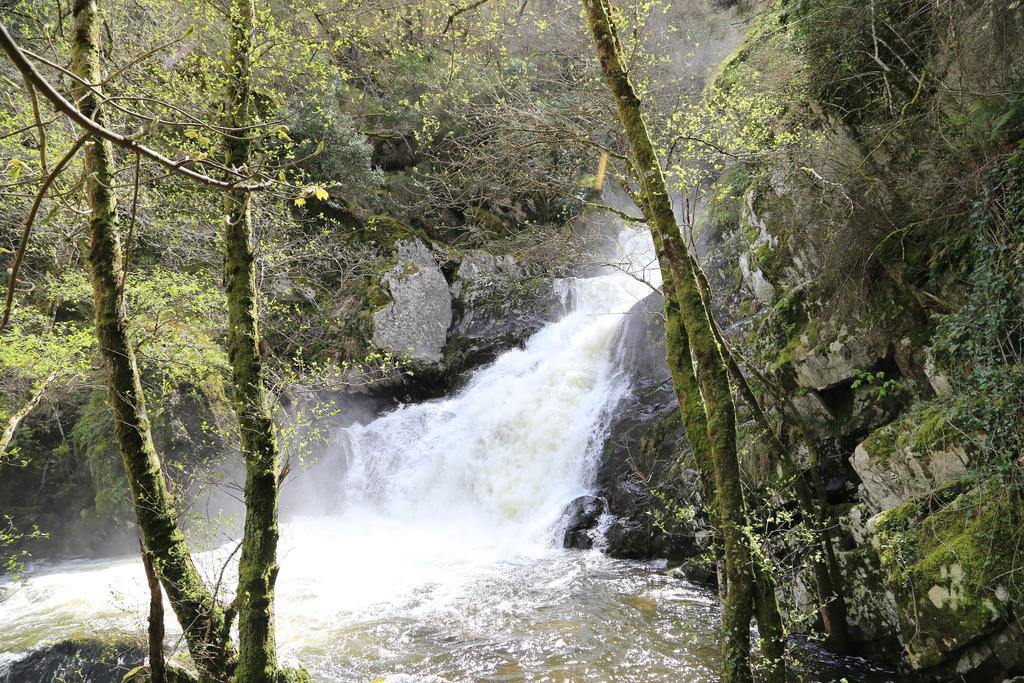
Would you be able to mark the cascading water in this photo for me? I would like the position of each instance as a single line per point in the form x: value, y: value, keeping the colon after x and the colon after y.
x: 434, y: 557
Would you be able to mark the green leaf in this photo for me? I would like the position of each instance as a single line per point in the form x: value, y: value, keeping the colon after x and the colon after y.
x: 16, y: 167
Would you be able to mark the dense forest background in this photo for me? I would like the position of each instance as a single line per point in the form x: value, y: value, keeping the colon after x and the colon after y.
x: 848, y: 175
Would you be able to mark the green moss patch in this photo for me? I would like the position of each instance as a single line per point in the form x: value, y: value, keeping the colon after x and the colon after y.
x: 950, y: 558
x: 386, y: 231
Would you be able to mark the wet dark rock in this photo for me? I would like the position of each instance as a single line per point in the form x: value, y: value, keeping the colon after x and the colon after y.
x: 77, y: 660
x: 581, y: 518
x: 628, y: 538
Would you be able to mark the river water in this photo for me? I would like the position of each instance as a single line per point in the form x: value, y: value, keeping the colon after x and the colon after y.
x: 423, y: 547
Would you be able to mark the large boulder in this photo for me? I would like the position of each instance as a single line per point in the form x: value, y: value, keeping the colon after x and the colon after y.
x: 446, y: 314
x: 415, y: 323
x: 751, y: 260
x: 640, y: 344
x: 870, y: 603
x: 949, y: 559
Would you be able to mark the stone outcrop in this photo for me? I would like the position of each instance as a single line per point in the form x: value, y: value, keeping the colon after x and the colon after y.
x: 909, y: 458
x: 497, y: 304
x: 948, y: 565
x: 445, y: 316
x: 820, y: 364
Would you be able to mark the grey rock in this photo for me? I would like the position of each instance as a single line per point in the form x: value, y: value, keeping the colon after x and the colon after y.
x: 750, y: 270
x: 699, y: 570
x: 644, y: 448
x: 415, y: 324
x: 497, y: 303
x: 628, y: 538
x: 892, y: 473
x: 871, y: 606
x: 640, y: 344
x: 822, y: 366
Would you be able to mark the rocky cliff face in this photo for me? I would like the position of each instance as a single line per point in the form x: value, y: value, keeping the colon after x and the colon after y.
x: 839, y: 278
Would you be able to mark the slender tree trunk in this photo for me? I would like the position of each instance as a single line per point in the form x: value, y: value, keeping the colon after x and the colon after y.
x: 687, y: 391
x: 813, y: 504
x: 201, y: 619
x: 770, y: 626
x: 711, y: 371
x: 15, y: 421
x: 257, y: 569
x: 157, y: 667
x: 766, y: 606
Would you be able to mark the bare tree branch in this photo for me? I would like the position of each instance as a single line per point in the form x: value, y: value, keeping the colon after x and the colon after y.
x: 21, y: 62
x: 27, y: 229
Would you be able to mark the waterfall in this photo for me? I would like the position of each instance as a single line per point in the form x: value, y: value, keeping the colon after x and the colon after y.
x: 516, y: 443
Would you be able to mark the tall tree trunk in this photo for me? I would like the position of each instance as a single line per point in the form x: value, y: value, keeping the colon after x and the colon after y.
x: 257, y: 569
x: 711, y: 371
x: 203, y: 622
x: 687, y: 391
x: 766, y: 606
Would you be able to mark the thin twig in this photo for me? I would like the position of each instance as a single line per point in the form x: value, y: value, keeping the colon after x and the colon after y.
x: 27, y: 229
x: 39, y: 125
x: 131, y: 228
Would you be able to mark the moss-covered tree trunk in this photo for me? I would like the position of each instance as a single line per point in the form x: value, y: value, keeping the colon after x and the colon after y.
x: 711, y: 370
x: 257, y: 568
x: 684, y: 381
x: 201, y: 619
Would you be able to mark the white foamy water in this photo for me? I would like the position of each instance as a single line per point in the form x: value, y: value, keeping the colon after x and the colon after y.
x: 433, y: 557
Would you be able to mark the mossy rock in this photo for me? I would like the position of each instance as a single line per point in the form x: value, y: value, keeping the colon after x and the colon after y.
x: 950, y: 559
x: 914, y: 455
x: 870, y: 604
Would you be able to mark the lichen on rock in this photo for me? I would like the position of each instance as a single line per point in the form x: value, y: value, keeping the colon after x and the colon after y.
x: 949, y: 557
